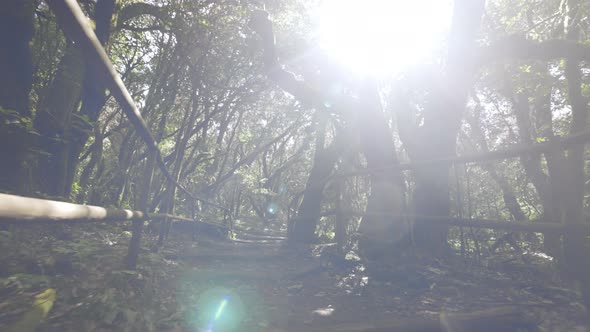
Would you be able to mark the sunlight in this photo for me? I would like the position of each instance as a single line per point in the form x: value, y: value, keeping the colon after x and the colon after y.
x: 381, y: 37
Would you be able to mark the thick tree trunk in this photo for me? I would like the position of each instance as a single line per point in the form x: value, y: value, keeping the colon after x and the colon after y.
x: 93, y: 93
x: 431, y: 198
x: 16, y: 32
x: 308, y: 215
x: 62, y: 123
x: 53, y: 122
x: 576, y: 244
x: 546, y: 184
x: 442, y: 119
x: 380, y: 234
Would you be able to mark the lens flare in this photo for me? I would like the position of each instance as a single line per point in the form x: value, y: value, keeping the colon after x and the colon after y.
x: 217, y: 309
x: 220, y: 309
x: 272, y: 208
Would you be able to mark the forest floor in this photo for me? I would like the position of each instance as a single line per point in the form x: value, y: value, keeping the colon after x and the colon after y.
x: 256, y: 285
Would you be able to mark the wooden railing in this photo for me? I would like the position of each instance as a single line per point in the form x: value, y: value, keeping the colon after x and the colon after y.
x: 539, y: 226
x: 19, y: 209
x: 25, y: 210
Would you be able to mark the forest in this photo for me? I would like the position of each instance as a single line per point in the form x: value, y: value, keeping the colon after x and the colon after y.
x: 294, y: 165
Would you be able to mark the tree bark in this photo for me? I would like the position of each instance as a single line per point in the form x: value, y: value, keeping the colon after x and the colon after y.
x: 183, y: 136
x: 53, y: 121
x: 546, y: 184
x: 95, y: 158
x: 308, y: 214
x: 142, y: 205
x: 64, y: 125
x: 576, y: 246
x: 93, y: 93
x: 380, y: 234
x: 16, y: 32
x: 436, y: 138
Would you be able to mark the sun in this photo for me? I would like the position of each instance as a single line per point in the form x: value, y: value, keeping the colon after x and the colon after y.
x: 382, y: 37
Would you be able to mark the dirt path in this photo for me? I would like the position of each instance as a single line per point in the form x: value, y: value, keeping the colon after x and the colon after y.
x: 277, y: 289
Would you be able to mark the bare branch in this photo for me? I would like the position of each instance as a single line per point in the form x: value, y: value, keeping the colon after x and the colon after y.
x: 517, y: 47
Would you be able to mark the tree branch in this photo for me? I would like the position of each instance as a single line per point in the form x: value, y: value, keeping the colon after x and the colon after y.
x: 286, y: 80
x: 137, y: 9
x: 517, y: 47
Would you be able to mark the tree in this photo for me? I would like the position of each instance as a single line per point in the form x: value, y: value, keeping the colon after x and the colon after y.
x: 16, y: 31
x: 387, y: 187
x: 436, y: 135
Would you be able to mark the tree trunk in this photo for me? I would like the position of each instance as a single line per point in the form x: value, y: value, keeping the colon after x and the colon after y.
x: 142, y: 204
x: 308, y: 215
x: 380, y: 234
x: 16, y: 32
x: 95, y: 158
x: 341, y: 221
x: 576, y: 246
x: 442, y: 119
x: 93, y: 93
x: 184, y: 134
x: 431, y: 198
x: 54, y: 121
x: 546, y: 184
x: 63, y: 125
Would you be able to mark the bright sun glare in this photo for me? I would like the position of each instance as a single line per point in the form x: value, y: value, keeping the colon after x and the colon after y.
x: 381, y: 37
